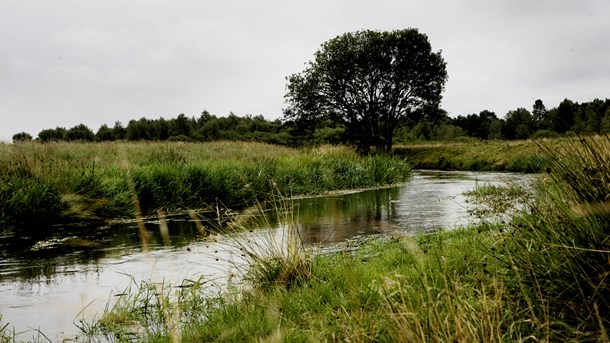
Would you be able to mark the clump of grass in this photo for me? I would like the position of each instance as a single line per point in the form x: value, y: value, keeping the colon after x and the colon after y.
x: 496, y: 200
x: 273, y: 256
x: 6, y: 334
x: 148, y: 310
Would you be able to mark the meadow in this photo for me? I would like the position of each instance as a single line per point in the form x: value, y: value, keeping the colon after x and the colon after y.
x: 46, y: 184
x: 540, y: 277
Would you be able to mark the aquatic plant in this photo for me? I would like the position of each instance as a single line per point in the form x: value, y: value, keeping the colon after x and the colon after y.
x: 272, y: 255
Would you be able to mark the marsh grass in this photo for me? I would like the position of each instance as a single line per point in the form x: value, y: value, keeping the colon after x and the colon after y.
x: 8, y: 334
x: 510, y: 156
x: 58, y: 183
x: 439, y: 287
x: 147, y: 310
x: 559, y: 254
x: 272, y: 256
x: 497, y: 202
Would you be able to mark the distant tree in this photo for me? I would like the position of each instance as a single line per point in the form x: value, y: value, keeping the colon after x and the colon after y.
x: 422, y: 131
x: 368, y: 82
x: 259, y: 124
x: 181, y: 126
x: 52, y: 135
x: 495, y: 129
x: 593, y: 120
x: 563, y: 117
x: 104, y: 134
x: 139, y: 130
x: 81, y: 133
x: 478, y: 126
x: 161, y: 129
x: 486, y: 118
x: 22, y: 137
x: 203, y: 119
x: 580, y: 121
x: 540, y: 116
x: 448, y: 132
x: 329, y: 135
x: 518, y: 124
x: 119, y: 131
x: 209, y: 130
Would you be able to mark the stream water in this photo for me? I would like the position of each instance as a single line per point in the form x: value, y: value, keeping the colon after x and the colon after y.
x: 52, y: 285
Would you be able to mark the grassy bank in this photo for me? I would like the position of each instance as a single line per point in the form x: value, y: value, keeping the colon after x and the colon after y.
x: 541, y: 277
x: 45, y: 184
x: 475, y: 155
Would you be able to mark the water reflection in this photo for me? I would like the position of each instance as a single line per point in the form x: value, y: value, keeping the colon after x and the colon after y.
x: 43, y: 259
x: 337, y: 218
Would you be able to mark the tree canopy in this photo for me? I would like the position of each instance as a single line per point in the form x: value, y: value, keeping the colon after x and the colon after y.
x: 371, y: 83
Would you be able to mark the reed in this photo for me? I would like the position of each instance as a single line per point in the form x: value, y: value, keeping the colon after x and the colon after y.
x: 558, y: 255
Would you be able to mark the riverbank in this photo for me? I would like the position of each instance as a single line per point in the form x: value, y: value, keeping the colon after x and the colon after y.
x: 542, y: 276
x: 478, y: 155
x: 42, y: 185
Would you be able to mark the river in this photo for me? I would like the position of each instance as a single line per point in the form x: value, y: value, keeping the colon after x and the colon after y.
x: 49, y: 287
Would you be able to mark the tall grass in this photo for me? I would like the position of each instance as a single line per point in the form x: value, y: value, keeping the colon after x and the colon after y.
x: 558, y: 256
x: 42, y: 184
x: 511, y: 156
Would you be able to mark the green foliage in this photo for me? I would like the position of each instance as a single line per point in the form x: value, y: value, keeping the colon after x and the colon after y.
x: 428, y: 124
x: 52, y: 135
x: 104, y: 134
x: 478, y: 126
x: 364, y: 81
x: 22, y: 137
x: 80, y: 133
x: 518, y: 124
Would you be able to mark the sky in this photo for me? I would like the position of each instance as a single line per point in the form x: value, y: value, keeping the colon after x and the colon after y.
x: 67, y: 62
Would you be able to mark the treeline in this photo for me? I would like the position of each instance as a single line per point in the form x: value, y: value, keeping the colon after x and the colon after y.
x: 205, y: 128
x: 568, y: 118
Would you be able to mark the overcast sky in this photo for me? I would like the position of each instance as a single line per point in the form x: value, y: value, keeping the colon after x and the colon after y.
x: 65, y: 62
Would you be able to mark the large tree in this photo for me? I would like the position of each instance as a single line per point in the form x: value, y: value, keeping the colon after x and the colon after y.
x: 369, y: 82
